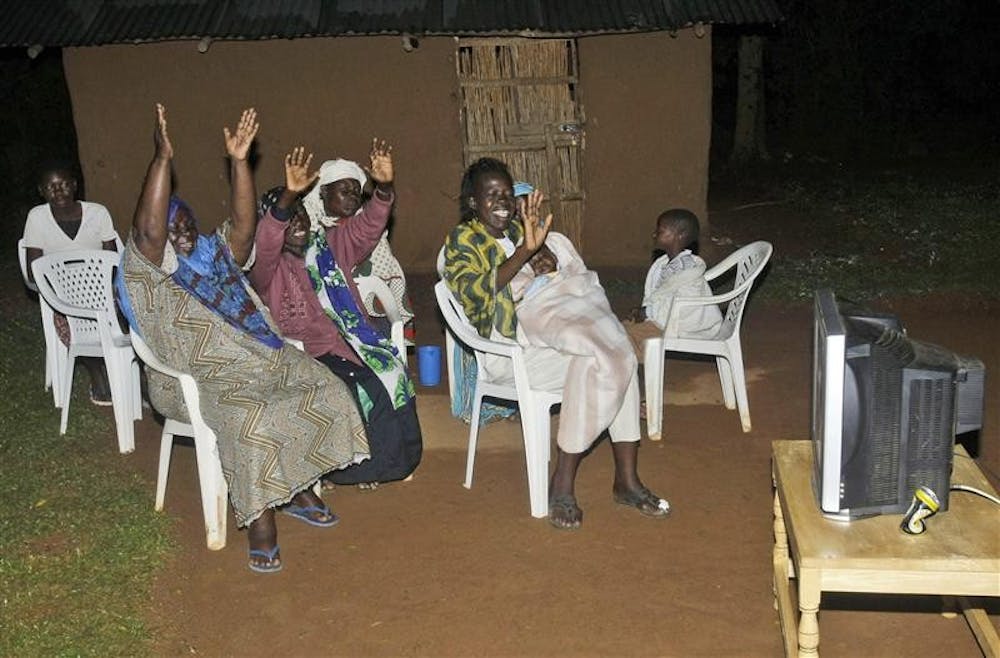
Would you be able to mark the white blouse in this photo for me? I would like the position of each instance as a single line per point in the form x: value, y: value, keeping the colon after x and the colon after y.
x: 42, y: 231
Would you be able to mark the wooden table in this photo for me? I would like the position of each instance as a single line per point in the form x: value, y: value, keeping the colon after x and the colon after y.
x: 958, y: 555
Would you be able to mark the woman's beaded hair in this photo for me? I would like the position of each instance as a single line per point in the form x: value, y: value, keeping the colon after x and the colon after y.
x: 476, y: 170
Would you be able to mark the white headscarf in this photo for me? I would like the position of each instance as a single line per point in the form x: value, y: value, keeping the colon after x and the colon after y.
x: 330, y: 171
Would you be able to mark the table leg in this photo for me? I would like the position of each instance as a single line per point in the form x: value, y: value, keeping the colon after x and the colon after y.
x: 780, y: 554
x: 982, y: 628
x: 781, y: 585
x: 809, y: 596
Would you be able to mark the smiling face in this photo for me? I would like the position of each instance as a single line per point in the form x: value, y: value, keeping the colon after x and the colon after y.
x: 58, y: 188
x: 341, y: 198
x: 493, y: 201
x: 182, y: 232
x: 297, y: 233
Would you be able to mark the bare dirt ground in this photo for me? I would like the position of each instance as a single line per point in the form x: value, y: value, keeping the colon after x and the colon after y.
x: 428, y: 568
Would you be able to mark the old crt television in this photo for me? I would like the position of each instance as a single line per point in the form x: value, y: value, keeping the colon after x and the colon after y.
x: 885, y: 410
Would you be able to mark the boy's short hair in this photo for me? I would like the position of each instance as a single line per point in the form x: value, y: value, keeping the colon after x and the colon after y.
x: 683, y: 222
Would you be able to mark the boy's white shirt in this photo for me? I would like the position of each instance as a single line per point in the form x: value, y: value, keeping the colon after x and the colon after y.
x: 683, y: 276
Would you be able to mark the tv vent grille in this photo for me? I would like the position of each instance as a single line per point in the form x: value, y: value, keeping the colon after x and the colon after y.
x: 930, y: 437
x: 884, y: 428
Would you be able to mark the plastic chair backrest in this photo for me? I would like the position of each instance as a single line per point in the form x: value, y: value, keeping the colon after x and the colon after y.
x: 463, y: 330
x: 78, y: 284
x: 440, y: 263
x: 374, y: 286
x: 749, y: 262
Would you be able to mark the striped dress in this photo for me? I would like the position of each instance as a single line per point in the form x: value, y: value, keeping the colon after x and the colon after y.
x: 281, y: 418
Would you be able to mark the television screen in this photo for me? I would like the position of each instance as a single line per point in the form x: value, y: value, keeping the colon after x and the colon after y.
x: 886, y: 409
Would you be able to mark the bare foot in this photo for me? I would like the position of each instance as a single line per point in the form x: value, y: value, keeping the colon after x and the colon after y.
x: 564, y: 513
x: 262, y: 536
x: 642, y: 499
x: 308, y: 507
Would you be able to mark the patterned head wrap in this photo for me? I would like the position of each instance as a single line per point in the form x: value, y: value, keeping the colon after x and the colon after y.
x: 211, y: 275
x: 330, y: 171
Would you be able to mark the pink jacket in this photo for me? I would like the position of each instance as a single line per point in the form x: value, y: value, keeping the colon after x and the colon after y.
x: 281, y: 280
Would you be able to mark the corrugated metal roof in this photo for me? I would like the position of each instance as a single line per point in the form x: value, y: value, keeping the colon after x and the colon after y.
x: 98, y: 22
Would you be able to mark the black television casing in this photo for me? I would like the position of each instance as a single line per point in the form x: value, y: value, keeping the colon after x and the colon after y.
x: 904, y: 402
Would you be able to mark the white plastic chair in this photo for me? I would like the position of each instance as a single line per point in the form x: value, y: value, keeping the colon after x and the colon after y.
x: 748, y: 262
x: 534, y: 404
x: 214, y: 490
x: 374, y: 286
x: 78, y: 284
x: 55, y: 351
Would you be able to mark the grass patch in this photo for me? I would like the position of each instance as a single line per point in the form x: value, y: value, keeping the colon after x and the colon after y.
x: 890, y: 233
x: 868, y: 235
x: 79, y: 540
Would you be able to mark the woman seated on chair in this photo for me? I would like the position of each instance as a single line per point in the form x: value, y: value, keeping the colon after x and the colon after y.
x: 303, y: 273
x: 64, y: 223
x: 281, y: 420
x: 582, y: 350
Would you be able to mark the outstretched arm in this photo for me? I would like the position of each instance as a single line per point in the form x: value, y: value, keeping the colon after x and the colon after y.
x: 149, y: 224
x: 243, y: 209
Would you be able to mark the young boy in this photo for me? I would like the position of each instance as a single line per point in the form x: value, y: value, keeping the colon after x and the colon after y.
x: 683, y: 275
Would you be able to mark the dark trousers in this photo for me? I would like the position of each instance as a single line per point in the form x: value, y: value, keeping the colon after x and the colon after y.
x: 394, y: 437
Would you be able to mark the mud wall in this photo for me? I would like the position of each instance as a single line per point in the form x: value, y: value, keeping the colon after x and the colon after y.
x: 647, y: 100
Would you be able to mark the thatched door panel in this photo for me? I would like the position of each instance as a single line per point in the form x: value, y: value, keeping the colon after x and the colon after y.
x: 519, y: 104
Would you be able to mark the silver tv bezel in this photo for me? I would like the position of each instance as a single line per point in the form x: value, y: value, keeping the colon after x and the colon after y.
x: 827, y: 431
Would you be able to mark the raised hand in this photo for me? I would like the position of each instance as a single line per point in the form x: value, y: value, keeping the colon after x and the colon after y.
x: 381, y: 161
x: 297, y: 176
x: 164, y: 149
x: 238, y: 143
x: 535, y: 229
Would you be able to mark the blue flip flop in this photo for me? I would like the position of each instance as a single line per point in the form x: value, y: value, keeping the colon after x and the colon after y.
x: 271, y: 566
x: 304, y: 514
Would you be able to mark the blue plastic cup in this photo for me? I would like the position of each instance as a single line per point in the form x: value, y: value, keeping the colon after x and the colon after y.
x: 429, y: 364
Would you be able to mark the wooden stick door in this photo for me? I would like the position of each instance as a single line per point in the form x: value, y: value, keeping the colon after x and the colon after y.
x: 520, y: 105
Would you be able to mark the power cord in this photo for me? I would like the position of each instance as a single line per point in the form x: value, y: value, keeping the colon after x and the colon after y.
x: 979, y: 492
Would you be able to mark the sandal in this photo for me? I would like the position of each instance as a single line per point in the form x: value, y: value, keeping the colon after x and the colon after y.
x: 319, y: 516
x: 273, y: 564
x: 564, y: 513
x: 644, y: 500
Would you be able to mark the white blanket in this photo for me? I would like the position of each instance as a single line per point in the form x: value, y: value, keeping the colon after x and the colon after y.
x: 571, y: 314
